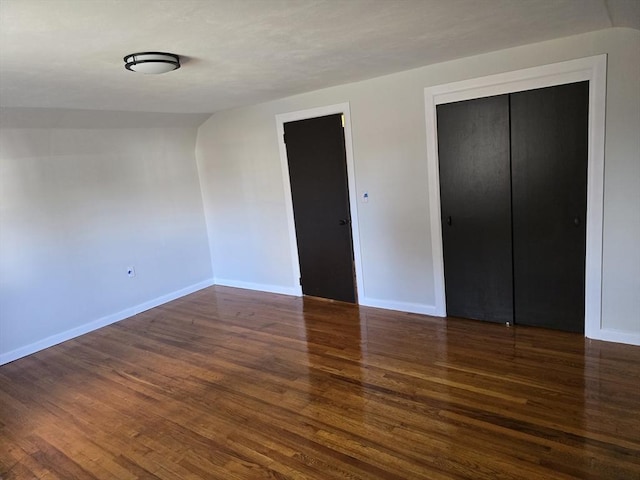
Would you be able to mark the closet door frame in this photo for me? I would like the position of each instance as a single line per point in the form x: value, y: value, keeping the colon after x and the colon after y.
x: 592, y: 69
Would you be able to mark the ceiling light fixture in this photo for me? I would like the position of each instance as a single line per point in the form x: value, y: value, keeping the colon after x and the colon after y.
x: 152, y: 62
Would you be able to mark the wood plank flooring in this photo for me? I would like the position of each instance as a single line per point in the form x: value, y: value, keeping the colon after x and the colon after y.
x: 232, y: 384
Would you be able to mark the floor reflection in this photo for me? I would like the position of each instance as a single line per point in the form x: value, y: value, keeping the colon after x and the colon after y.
x: 336, y: 362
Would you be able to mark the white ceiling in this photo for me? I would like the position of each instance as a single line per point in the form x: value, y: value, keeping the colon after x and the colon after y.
x: 68, y: 53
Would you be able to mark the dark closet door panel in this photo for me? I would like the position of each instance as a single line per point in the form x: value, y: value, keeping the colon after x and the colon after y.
x: 549, y: 134
x: 473, y: 150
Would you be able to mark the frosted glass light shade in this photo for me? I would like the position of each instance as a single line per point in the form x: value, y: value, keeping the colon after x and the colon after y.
x: 152, y: 62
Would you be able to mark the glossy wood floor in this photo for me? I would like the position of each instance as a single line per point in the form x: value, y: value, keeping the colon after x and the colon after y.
x: 232, y: 384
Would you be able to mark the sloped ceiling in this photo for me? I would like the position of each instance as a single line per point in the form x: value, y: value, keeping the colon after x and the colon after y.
x: 69, y: 53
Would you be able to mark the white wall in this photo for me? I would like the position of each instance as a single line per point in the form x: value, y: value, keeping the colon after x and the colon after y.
x: 240, y: 174
x: 84, y: 195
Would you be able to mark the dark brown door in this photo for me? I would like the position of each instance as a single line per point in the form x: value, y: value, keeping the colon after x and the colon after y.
x: 475, y: 195
x: 513, y: 181
x: 320, y: 193
x: 549, y: 139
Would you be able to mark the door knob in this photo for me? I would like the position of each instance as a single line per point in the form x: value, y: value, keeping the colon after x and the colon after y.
x: 449, y: 221
x: 576, y: 221
x: 343, y: 221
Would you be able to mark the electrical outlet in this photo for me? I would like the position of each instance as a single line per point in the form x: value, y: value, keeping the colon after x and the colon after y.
x: 131, y: 272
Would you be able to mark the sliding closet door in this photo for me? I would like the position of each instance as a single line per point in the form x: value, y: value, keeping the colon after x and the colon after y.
x: 549, y: 133
x: 473, y: 151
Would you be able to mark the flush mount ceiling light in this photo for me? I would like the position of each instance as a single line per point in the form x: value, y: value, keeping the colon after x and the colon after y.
x: 152, y: 62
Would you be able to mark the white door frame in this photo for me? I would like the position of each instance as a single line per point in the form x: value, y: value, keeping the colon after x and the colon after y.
x: 283, y: 118
x: 593, y: 69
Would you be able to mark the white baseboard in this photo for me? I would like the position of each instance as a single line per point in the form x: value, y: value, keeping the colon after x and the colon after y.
x: 99, y: 323
x: 365, y: 302
x: 408, y: 307
x: 261, y: 287
x: 618, y: 336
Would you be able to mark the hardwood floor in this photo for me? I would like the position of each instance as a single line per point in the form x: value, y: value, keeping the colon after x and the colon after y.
x: 232, y: 384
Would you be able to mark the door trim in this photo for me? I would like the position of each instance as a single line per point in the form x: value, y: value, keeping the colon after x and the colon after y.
x: 593, y: 69
x: 283, y: 118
